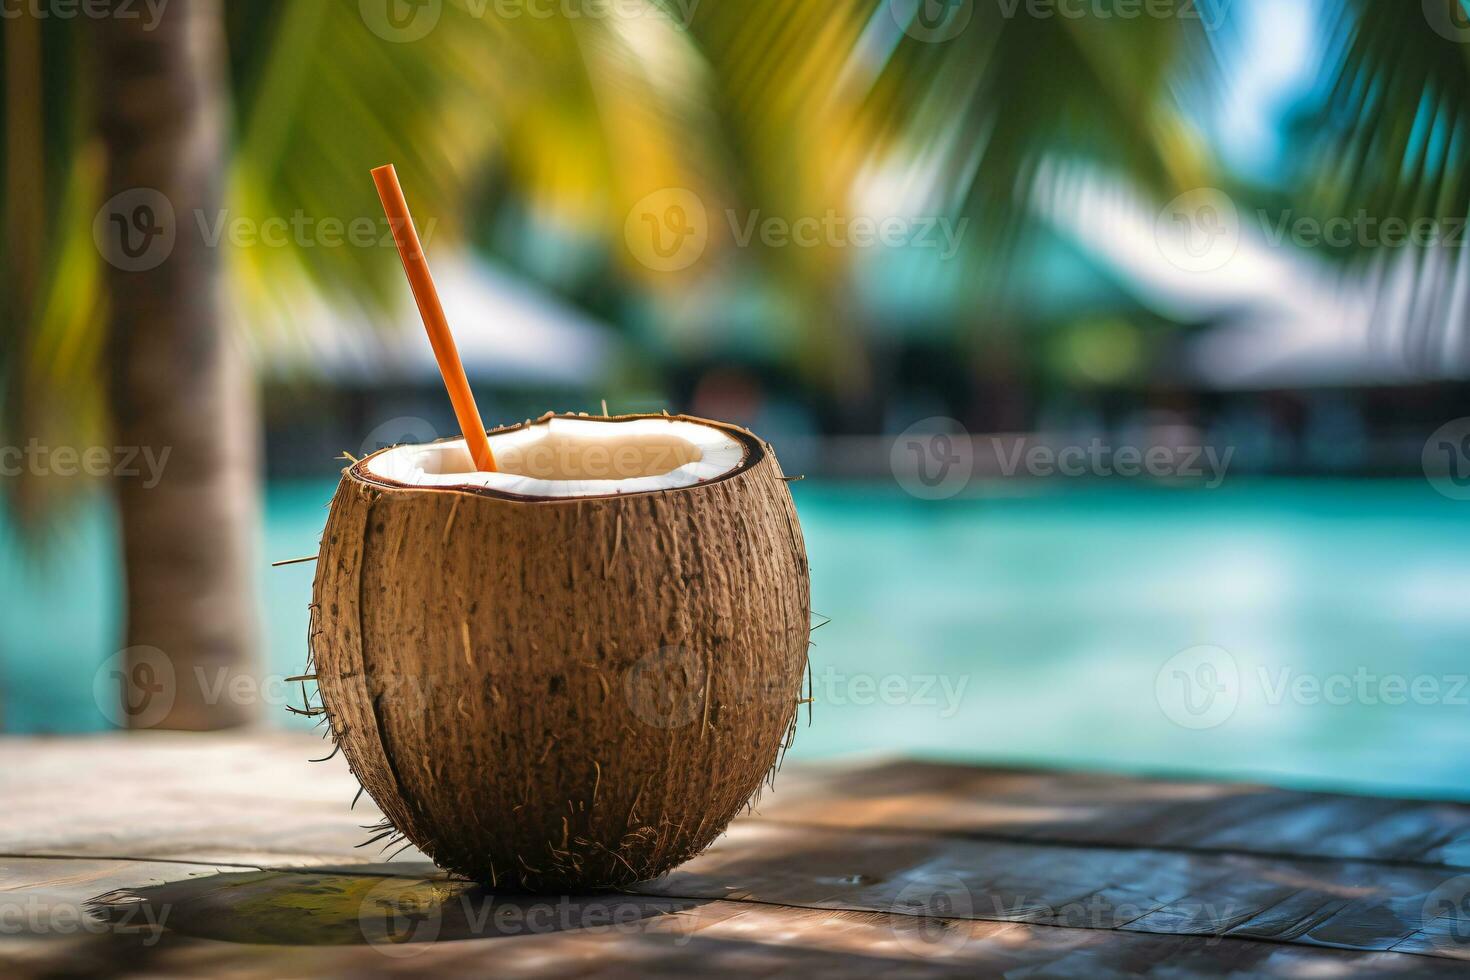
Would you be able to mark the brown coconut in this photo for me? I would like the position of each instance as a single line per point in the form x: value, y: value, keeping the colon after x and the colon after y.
x: 563, y: 694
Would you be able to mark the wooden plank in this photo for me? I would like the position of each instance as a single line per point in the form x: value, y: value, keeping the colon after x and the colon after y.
x: 1089, y: 808
x: 216, y: 790
x: 303, y: 922
x: 45, y: 920
x: 231, y: 798
x: 1028, y: 869
x: 1351, y: 905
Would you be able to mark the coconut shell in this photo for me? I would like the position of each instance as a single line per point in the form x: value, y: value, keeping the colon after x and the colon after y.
x: 563, y: 694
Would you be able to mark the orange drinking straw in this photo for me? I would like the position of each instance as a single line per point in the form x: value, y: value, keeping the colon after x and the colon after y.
x: 416, y: 267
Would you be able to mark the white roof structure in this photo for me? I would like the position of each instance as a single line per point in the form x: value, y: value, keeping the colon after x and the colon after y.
x: 506, y: 328
x: 1288, y: 318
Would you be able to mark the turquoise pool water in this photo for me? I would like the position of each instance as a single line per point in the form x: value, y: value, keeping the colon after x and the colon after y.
x: 1057, y: 628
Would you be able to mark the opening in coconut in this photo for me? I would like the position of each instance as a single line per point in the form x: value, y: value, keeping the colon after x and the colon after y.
x: 572, y: 457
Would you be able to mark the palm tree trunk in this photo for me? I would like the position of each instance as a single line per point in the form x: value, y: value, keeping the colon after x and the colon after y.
x: 178, y: 382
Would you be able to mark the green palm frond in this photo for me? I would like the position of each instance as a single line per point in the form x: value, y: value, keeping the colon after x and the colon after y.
x: 53, y: 311
x: 579, y: 117
x: 1017, y: 89
x: 786, y: 108
x: 1390, y: 142
x: 1392, y: 136
x: 854, y: 105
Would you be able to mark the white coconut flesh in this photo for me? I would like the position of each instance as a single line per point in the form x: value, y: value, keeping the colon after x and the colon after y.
x: 573, y: 457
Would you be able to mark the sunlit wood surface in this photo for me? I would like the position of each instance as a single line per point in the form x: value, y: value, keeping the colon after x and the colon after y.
x: 245, y: 853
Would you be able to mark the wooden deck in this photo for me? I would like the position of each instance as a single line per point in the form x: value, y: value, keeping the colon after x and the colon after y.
x: 244, y: 852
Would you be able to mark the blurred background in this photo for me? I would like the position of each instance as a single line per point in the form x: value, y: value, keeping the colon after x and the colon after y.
x: 1122, y: 343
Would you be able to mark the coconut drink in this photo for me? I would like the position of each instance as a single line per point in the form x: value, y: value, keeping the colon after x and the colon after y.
x: 573, y: 672
x: 562, y: 655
